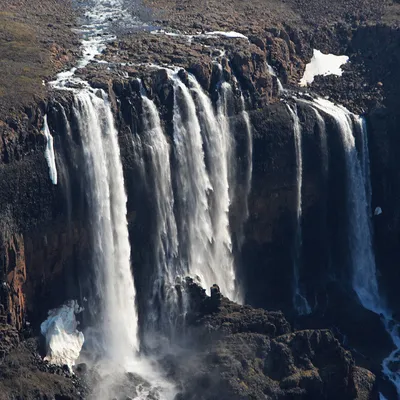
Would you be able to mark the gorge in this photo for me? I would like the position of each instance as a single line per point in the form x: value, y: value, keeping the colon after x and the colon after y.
x: 180, y: 219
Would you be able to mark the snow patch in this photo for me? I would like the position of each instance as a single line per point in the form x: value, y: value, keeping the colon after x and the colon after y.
x: 64, y: 342
x: 323, y: 64
x: 49, y: 152
x: 230, y: 34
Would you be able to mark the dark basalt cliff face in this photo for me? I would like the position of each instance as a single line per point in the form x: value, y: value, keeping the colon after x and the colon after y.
x: 44, y: 244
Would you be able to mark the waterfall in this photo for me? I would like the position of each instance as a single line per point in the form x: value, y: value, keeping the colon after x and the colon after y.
x: 155, y: 145
x: 192, y: 199
x: 193, y: 185
x: 323, y: 142
x: 224, y: 100
x: 112, y: 344
x: 273, y: 73
x: 115, y: 291
x: 218, y: 144
x: 248, y: 173
x: 203, y: 223
x: 365, y: 167
x: 114, y: 338
x: 249, y: 155
x: 49, y: 152
x: 299, y: 300
x: 364, y: 280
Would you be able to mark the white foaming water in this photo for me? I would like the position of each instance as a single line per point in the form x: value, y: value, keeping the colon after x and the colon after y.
x: 365, y: 281
x: 323, y: 141
x: 156, y: 145
x: 193, y: 185
x: 63, y: 340
x: 116, y: 335
x: 202, y: 144
x: 96, y: 33
x: 225, y: 97
x: 113, y: 342
x: 49, y: 152
x: 365, y: 163
x: 273, y: 73
x: 107, y: 199
x: 203, y: 191
x: 249, y: 168
x: 218, y: 143
x: 323, y: 64
x: 362, y: 258
x: 299, y: 301
x: 160, y: 153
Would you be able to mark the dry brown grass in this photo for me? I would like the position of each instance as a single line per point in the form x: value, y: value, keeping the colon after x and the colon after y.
x: 29, y: 31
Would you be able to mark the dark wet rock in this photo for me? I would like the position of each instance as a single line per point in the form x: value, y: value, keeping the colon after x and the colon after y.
x: 81, y: 369
x: 203, y: 73
x: 25, y: 375
x: 256, y: 355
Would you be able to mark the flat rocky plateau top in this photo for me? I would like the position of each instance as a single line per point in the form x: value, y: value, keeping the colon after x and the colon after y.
x: 254, y: 15
x: 37, y: 39
x: 36, y: 42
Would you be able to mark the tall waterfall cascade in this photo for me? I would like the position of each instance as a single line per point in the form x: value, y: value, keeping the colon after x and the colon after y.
x: 154, y: 147
x: 247, y: 174
x: 300, y: 302
x: 112, y: 339
x: 218, y: 143
x: 111, y: 342
x: 49, y: 152
x: 106, y: 195
x: 359, y: 194
x: 365, y: 281
x: 193, y: 200
x: 192, y: 205
x: 198, y: 187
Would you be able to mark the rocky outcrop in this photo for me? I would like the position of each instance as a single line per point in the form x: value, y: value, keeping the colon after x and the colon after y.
x: 12, y: 291
x: 246, y: 353
x: 24, y: 375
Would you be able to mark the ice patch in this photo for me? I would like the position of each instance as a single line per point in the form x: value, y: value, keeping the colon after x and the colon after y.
x: 64, y: 342
x: 323, y: 64
x: 49, y: 152
x: 230, y: 34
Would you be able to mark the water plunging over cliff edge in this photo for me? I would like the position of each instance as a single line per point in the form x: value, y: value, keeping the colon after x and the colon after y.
x: 362, y: 259
x: 112, y: 342
x: 192, y: 211
x: 115, y: 335
x: 300, y: 302
x: 192, y: 200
